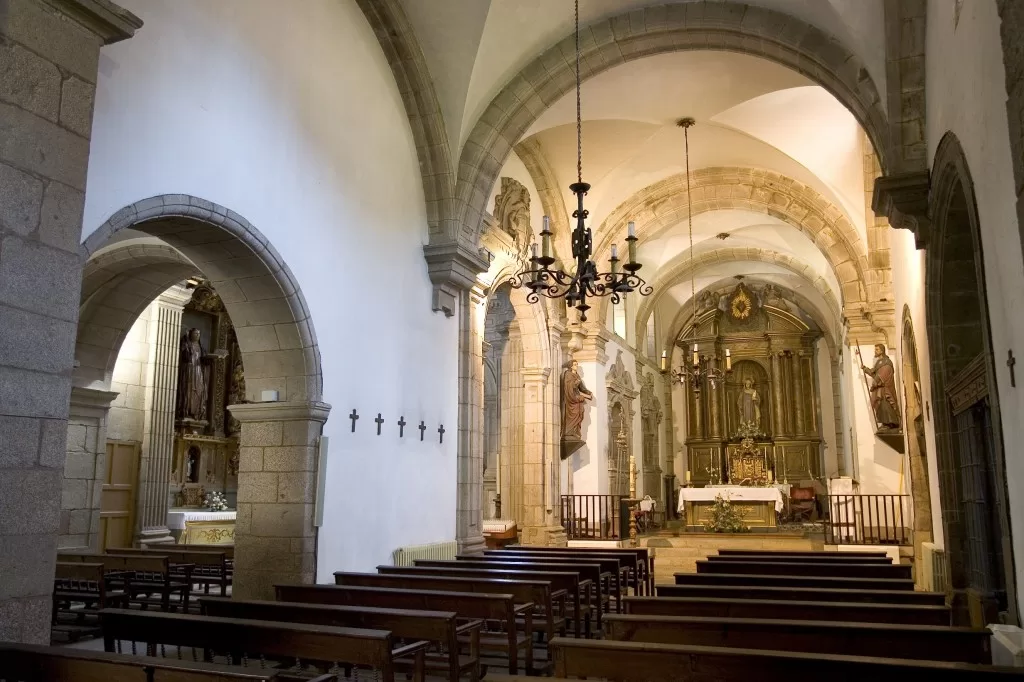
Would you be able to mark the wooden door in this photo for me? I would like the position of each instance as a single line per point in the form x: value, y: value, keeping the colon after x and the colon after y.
x: 117, y: 505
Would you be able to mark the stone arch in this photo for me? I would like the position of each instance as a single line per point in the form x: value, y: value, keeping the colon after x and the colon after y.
x: 917, y: 448
x: 645, y: 32
x: 972, y: 480
x: 275, y: 332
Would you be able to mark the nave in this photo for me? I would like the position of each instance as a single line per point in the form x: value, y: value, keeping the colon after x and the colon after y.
x: 508, y: 614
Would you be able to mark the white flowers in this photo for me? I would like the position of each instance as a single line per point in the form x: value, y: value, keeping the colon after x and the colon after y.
x: 216, y: 501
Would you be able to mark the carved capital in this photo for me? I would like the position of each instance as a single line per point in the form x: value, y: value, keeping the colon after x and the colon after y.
x: 107, y: 20
x: 903, y: 200
x: 453, y: 267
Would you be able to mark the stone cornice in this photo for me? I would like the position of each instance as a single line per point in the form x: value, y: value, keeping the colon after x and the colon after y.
x: 92, y: 398
x: 107, y: 20
x: 453, y: 267
x: 903, y: 200
x: 279, y: 412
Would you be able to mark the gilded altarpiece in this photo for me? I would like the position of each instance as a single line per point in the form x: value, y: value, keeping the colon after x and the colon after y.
x: 206, y: 452
x: 762, y: 420
x: 650, y: 424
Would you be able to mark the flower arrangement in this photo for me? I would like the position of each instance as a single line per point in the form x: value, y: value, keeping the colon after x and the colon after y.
x: 724, y: 518
x: 216, y: 501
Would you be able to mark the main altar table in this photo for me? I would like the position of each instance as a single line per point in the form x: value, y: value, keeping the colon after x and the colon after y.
x: 202, y: 526
x: 757, y: 505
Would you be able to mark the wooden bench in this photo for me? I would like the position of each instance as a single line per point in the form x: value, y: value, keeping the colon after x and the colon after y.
x: 34, y: 663
x: 547, y: 619
x: 626, y: 572
x: 469, y: 605
x: 655, y: 662
x: 577, y: 589
x: 141, y: 576
x: 611, y: 567
x: 820, y: 559
x: 209, y: 567
x: 805, y: 568
x: 803, y: 594
x: 906, y: 614
x: 240, y: 639
x: 587, y: 571
x: 645, y: 558
x: 793, y: 581
x: 885, y: 640
x: 439, y: 627
x: 85, y: 583
x: 805, y: 553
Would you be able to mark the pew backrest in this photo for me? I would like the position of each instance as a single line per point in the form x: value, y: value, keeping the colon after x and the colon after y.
x: 802, y: 594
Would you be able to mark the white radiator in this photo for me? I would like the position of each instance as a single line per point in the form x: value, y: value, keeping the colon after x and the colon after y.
x: 405, y: 556
x: 933, y: 568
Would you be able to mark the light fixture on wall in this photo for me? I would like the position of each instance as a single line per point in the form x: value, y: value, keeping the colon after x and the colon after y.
x: 586, y: 281
x: 702, y: 367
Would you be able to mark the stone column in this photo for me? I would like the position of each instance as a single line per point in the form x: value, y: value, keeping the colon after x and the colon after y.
x: 275, y: 540
x: 799, y: 393
x: 698, y: 411
x: 777, y: 422
x: 469, y: 490
x: 49, y: 51
x: 84, y: 469
x: 714, y: 397
x: 532, y: 520
x: 512, y: 427
x: 158, y: 433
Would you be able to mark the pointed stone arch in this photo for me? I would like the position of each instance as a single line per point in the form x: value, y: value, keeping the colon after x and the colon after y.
x: 917, y: 448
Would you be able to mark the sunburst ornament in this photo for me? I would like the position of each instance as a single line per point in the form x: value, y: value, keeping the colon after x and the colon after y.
x: 741, y: 305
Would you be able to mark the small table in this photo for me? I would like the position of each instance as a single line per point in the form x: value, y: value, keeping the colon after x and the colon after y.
x: 758, y: 505
x: 201, y: 526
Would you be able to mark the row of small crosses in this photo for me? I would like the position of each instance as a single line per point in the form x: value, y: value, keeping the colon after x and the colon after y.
x: 401, y: 426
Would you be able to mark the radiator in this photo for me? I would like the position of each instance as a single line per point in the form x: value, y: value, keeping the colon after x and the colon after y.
x: 934, y: 568
x: 405, y: 556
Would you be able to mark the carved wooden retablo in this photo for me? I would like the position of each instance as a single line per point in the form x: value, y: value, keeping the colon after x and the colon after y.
x: 747, y: 465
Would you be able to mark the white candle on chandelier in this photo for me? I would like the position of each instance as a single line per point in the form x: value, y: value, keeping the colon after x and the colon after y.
x: 631, y: 241
x: 546, y: 237
x: 632, y: 228
x: 533, y: 248
x: 696, y: 355
x: 728, y: 359
x: 615, y: 251
x: 664, y: 360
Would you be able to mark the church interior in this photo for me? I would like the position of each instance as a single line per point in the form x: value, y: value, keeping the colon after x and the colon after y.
x: 610, y: 339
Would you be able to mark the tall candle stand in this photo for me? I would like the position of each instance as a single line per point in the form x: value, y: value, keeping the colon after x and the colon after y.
x: 632, y: 500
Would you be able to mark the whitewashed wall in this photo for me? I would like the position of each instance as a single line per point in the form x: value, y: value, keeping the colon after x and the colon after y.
x: 290, y: 116
x: 127, y: 417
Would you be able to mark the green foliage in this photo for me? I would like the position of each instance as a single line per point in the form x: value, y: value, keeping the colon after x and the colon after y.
x: 724, y: 518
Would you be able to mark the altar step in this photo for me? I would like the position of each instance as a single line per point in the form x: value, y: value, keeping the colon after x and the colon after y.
x: 680, y: 554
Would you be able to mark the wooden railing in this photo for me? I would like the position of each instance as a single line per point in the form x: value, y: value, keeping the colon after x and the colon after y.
x: 868, y: 520
x: 592, y: 517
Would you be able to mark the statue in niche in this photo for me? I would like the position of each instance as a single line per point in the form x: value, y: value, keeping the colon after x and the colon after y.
x: 883, y: 390
x: 748, y: 404
x: 771, y: 295
x: 193, y: 379
x: 574, y: 399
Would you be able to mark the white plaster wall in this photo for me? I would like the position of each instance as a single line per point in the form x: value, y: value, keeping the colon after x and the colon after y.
x: 290, y: 116
x: 588, y: 471
x: 966, y: 94
x: 127, y: 417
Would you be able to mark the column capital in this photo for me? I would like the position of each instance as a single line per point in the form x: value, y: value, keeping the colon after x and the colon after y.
x: 453, y: 267
x: 280, y: 412
x: 903, y: 200
x: 107, y: 20
x: 536, y: 374
x: 91, y: 400
x: 175, y: 297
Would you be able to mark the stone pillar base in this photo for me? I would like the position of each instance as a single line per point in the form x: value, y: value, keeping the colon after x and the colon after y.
x: 475, y: 544
x: 543, y: 536
x: 156, y: 536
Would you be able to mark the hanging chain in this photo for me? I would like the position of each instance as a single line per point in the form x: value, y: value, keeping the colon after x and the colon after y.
x: 689, y: 220
x: 579, y: 107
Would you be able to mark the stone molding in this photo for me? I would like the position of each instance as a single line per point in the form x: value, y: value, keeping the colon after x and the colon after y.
x: 453, y: 267
x: 903, y: 200
x: 280, y: 412
x: 91, y: 402
x: 102, y: 17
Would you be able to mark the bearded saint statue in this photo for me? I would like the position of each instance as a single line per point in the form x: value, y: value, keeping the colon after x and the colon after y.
x: 192, y: 383
x: 883, y: 389
x: 574, y: 398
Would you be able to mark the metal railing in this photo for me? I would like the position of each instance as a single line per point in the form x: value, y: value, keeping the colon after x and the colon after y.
x: 592, y: 517
x: 868, y: 520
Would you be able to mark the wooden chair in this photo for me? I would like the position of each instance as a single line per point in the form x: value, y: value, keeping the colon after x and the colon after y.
x: 803, y: 503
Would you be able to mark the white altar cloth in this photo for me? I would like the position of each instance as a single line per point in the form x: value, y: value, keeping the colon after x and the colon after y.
x: 176, y: 518
x: 733, y: 493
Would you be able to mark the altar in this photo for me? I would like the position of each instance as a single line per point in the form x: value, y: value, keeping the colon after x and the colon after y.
x: 191, y: 526
x: 757, y: 505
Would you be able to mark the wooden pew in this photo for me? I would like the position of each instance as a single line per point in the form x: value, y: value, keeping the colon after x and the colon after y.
x: 470, y: 605
x: 209, y: 567
x: 588, y: 571
x: 85, y: 583
x: 439, y: 627
x: 34, y: 663
x: 611, y: 567
x: 577, y: 589
x: 626, y: 573
x: 141, y: 576
x: 539, y: 592
x: 239, y: 639
x: 657, y: 662
x: 906, y: 614
x: 804, y: 553
x: 820, y: 559
x: 884, y: 640
x: 645, y: 557
x: 793, y: 581
x: 802, y: 594
x: 804, y: 568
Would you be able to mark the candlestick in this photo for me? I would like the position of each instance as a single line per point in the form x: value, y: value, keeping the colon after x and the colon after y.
x: 631, y: 227
x: 615, y: 251
x: 728, y: 360
x: 664, y: 360
x: 696, y: 355
x: 533, y: 249
x: 687, y: 475
x: 546, y: 237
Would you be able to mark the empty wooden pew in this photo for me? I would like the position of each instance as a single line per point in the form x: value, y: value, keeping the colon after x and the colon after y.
x: 822, y: 558
x: 141, y: 576
x: 575, y: 588
x: 907, y: 614
x: 628, y: 572
x: 469, y: 605
x: 239, y: 639
x: 794, y: 581
x: 802, y: 594
x: 805, y: 553
x: 611, y: 567
x: 885, y: 640
x: 439, y: 627
x: 85, y: 583
x: 645, y: 557
x: 34, y: 663
x: 209, y: 567
x: 806, y: 568
x: 660, y: 662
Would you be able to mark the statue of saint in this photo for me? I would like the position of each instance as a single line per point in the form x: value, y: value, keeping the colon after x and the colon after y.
x: 883, y: 390
x: 574, y: 398
x: 749, y: 405
x: 192, y: 382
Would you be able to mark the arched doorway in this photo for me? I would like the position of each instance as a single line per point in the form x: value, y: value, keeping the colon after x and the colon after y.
x: 917, y: 450
x: 967, y: 422
x: 148, y: 249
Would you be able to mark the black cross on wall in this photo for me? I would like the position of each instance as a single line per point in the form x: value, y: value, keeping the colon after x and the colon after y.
x: 423, y: 429
x: 353, y: 417
x: 1010, y: 362
x: 379, y: 422
x: 401, y: 426
x: 440, y: 430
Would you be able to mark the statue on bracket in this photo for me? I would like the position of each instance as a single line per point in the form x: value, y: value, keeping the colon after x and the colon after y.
x: 574, y: 399
x: 883, y: 390
x: 748, y: 403
x: 193, y: 383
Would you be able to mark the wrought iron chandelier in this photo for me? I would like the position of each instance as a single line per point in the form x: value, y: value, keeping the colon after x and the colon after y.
x: 702, y: 367
x: 585, y: 281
